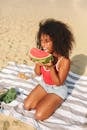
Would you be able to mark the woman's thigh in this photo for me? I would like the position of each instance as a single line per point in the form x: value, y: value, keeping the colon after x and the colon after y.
x: 47, y: 106
x: 34, y: 97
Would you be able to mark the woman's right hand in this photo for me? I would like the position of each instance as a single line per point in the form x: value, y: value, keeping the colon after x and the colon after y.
x: 39, y: 64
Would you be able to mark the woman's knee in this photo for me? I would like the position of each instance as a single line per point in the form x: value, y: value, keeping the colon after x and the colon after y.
x: 39, y: 116
x: 26, y: 104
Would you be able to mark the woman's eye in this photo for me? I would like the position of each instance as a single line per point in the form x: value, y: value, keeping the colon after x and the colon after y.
x: 47, y: 41
x: 44, y: 41
x: 41, y: 41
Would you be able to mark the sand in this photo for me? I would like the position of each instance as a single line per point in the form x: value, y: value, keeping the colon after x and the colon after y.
x: 10, y: 123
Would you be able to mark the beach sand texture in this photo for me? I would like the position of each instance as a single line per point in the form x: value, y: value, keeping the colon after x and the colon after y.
x: 9, y: 123
x: 19, y: 21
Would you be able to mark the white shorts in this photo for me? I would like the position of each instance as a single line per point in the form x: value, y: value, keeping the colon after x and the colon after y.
x: 61, y: 91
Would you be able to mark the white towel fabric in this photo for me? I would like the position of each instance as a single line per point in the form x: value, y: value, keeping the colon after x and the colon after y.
x: 72, y: 114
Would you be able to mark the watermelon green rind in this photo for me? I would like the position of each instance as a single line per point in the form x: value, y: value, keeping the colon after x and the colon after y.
x: 42, y: 59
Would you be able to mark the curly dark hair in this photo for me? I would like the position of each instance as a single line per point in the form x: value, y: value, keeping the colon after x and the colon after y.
x: 60, y: 35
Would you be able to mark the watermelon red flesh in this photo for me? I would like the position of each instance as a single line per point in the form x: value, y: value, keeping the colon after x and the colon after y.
x: 39, y: 54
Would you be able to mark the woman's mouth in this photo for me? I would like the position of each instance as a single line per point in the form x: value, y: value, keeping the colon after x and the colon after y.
x: 45, y: 49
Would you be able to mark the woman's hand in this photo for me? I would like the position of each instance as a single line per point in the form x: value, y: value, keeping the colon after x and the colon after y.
x: 39, y: 64
x: 49, y: 65
x: 38, y: 68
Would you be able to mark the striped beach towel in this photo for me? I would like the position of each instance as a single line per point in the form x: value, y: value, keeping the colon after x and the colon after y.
x: 72, y: 114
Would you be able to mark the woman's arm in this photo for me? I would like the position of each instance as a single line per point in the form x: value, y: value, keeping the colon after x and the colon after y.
x: 37, y: 68
x: 59, y: 76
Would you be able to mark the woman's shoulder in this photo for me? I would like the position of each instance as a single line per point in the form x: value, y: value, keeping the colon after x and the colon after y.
x: 63, y: 61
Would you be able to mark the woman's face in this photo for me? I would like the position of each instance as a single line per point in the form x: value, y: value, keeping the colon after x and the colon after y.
x: 46, y: 43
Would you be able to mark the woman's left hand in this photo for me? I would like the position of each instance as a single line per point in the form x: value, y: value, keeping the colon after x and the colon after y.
x: 49, y: 65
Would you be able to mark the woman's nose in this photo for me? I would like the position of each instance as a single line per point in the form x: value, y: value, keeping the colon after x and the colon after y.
x: 43, y: 44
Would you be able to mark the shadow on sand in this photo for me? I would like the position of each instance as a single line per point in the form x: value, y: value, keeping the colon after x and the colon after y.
x: 79, y: 64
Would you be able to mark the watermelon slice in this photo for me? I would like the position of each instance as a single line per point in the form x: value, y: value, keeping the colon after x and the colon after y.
x: 41, y: 56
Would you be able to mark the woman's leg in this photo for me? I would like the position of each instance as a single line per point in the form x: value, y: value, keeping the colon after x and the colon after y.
x: 34, y: 97
x: 47, y: 106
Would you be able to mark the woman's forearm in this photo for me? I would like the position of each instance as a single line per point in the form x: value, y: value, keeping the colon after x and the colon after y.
x: 37, y: 69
